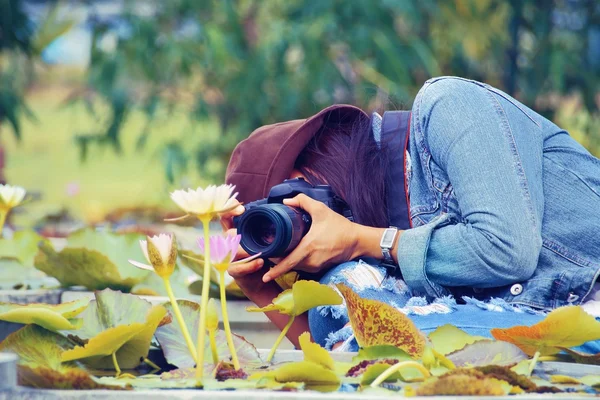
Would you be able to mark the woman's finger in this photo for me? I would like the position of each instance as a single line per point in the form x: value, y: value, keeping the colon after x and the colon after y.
x: 287, y: 264
x: 240, y: 270
x: 227, y: 218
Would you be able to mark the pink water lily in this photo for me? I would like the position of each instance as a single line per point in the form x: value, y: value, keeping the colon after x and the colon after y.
x: 223, y: 250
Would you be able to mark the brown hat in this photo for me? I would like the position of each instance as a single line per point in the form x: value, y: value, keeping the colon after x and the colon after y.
x: 267, y: 157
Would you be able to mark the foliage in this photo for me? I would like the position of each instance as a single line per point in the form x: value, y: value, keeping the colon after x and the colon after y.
x: 377, y: 323
x: 40, y: 363
x: 303, y: 296
x: 96, y: 260
x: 552, y: 333
x: 171, y: 340
x: 49, y: 316
x: 249, y: 63
x: 115, y: 323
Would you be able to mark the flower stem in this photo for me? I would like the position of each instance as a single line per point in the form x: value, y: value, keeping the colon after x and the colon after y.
x: 213, y: 347
x: 533, y: 363
x: 280, y: 338
x: 179, y: 318
x: 397, y: 367
x: 3, y: 214
x: 150, y: 363
x: 115, y: 363
x: 234, y: 357
x: 204, y: 306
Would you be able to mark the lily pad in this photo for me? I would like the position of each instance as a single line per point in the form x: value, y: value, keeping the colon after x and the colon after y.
x: 115, y: 322
x: 96, y: 260
x: 173, y: 344
x: 486, y: 352
x: 40, y: 365
x: 314, y: 376
x: 554, y: 332
x: 49, y: 316
x: 303, y: 296
x: 381, y: 352
x: 22, y: 247
x: 315, y: 353
x: 448, y: 338
x: 15, y: 276
x: 378, y: 323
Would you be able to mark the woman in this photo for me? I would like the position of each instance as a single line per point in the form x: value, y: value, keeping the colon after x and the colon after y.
x: 497, y: 208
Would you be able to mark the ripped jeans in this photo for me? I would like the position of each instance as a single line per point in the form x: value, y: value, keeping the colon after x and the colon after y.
x: 328, y: 323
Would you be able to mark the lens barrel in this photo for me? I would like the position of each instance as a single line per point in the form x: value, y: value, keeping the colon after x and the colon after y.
x: 272, y: 229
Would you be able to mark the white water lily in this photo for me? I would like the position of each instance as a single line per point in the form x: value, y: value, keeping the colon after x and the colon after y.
x: 11, y: 196
x: 206, y: 202
x: 161, y: 252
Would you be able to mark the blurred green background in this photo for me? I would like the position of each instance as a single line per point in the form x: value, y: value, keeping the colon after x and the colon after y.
x: 111, y: 104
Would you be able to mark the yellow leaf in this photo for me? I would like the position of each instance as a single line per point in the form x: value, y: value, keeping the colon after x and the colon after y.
x: 448, y: 338
x: 564, y: 379
x: 315, y: 353
x: 377, y: 323
x: 131, y: 343
x: 313, y: 375
x: 49, y: 316
x: 303, y: 296
x: 564, y: 327
x: 462, y: 383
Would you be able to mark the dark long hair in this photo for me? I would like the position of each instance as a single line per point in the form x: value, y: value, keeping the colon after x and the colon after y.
x: 344, y: 155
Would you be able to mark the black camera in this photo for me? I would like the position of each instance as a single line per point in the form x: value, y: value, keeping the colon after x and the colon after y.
x: 274, y: 229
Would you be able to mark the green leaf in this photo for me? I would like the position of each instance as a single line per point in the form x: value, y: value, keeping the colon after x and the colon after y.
x: 315, y: 353
x: 381, y: 352
x: 50, y: 316
x: 486, y: 352
x: 303, y: 296
x: 314, y: 376
x: 171, y: 341
x: 16, y: 276
x: 374, y: 370
x: 40, y: 365
x: 448, y: 338
x: 96, y: 260
x: 115, y: 322
x: 22, y: 247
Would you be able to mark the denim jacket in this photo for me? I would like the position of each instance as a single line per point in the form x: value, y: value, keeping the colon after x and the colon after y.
x: 503, y: 202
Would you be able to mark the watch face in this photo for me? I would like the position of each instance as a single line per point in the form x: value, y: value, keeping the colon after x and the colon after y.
x: 388, y: 237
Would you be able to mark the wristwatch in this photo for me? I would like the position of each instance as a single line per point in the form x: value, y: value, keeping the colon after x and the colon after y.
x: 386, y: 244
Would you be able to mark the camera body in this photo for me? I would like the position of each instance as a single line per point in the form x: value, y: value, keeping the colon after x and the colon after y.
x: 270, y: 227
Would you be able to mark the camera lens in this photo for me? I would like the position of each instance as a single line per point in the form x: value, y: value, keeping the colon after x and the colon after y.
x: 264, y: 231
x: 272, y: 229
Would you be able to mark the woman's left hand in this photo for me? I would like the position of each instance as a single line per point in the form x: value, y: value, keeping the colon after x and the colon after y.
x: 331, y: 239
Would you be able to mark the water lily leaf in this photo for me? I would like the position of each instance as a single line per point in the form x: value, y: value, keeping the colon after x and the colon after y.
x: 381, y: 352
x: 486, y: 352
x: 40, y: 365
x: 16, y: 276
x: 115, y: 322
x: 96, y: 260
x: 150, y: 382
x: 553, y: 332
x: 377, y: 323
x: 315, y: 353
x: 314, y: 376
x: 591, y: 380
x: 22, y: 247
x: 303, y: 296
x: 175, y: 349
x: 583, y: 358
x: 50, y: 316
x: 564, y: 379
x: 462, y: 382
x: 448, y: 338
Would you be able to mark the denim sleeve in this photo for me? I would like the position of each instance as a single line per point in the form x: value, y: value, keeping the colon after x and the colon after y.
x: 490, y: 148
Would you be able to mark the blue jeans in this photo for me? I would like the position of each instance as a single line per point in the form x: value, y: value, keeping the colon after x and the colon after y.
x: 327, y: 323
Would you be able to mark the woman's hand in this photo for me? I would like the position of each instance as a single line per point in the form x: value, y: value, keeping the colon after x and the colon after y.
x: 332, y: 239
